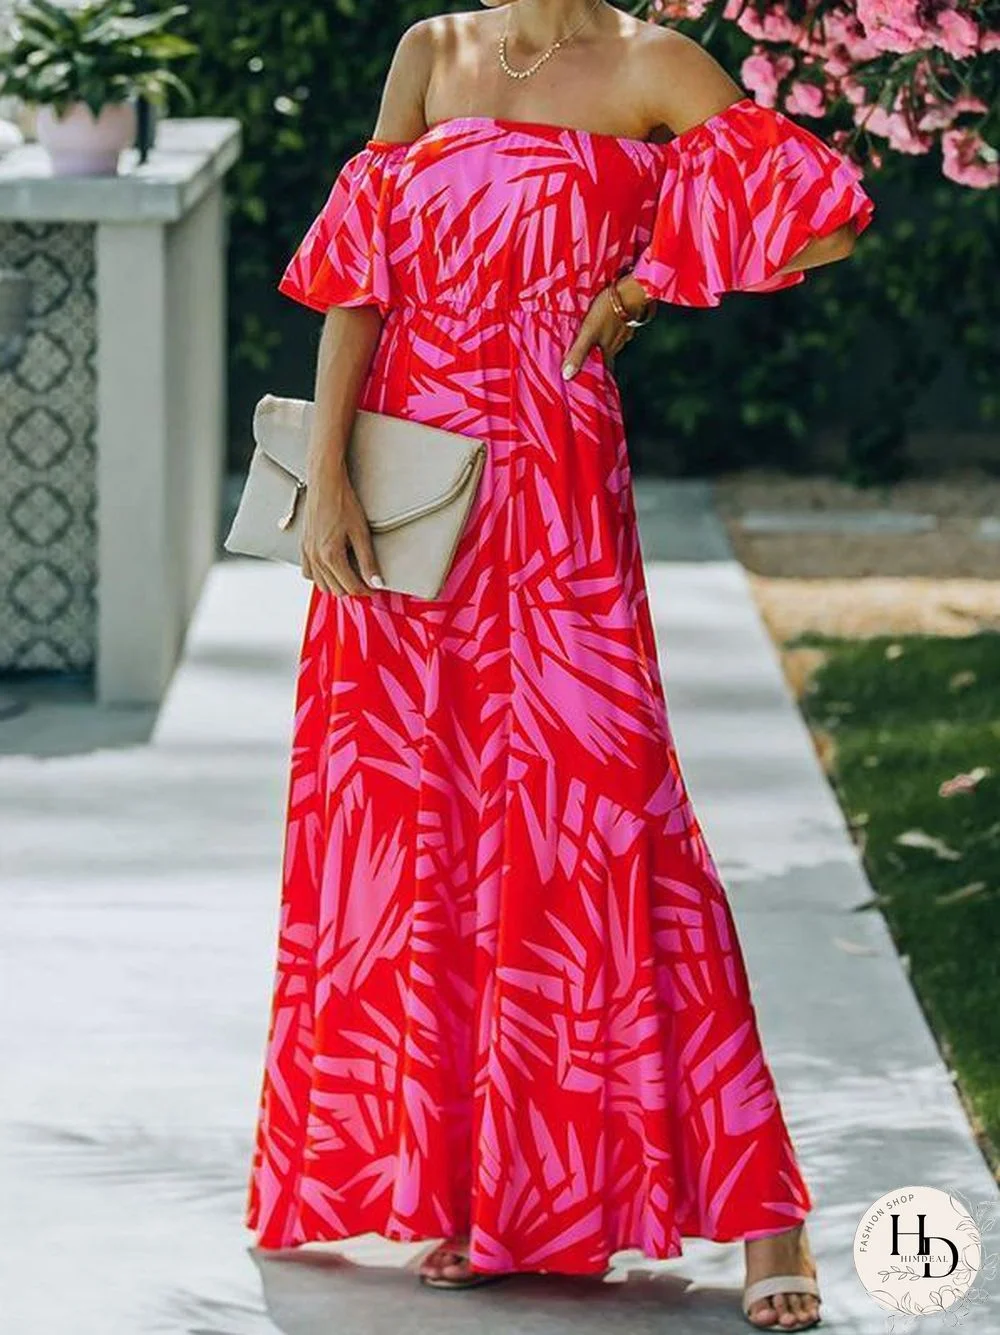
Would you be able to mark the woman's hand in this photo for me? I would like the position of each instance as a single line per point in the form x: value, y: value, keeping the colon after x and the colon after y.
x: 334, y: 525
x: 602, y: 328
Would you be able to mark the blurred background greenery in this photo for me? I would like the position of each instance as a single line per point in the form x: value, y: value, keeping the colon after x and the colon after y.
x: 838, y: 374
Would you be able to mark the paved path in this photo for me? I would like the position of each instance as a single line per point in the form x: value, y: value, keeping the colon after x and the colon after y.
x: 138, y: 885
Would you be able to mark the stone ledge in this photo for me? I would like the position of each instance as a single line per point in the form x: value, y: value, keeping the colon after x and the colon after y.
x: 190, y: 155
x: 835, y: 521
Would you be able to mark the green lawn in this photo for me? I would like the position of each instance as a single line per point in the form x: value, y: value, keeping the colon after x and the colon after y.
x: 906, y: 713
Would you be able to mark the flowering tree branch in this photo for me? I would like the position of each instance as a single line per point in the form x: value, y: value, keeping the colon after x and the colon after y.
x: 915, y: 73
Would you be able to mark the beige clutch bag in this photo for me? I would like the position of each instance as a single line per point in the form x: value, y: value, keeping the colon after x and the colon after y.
x: 416, y: 484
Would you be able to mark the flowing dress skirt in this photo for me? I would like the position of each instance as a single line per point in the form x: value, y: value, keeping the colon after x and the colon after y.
x: 510, y: 1000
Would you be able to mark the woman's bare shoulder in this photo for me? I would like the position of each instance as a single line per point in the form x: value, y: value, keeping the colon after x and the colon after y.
x: 401, y: 111
x: 679, y: 82
x: 427, y: 45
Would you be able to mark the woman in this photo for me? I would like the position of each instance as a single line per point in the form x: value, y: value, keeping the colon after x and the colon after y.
x: 510, y: 1008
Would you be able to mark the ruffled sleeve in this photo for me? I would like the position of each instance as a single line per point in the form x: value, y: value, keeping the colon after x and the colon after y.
x: 743, y: 192
x: 343, y: 258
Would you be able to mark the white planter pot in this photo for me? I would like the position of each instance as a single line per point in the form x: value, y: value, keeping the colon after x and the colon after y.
x: 80, y: 145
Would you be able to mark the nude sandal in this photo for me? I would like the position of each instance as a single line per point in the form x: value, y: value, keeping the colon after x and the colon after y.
x: 471, y: 1281
x: 769, y: 1288
x: 771, y: 1285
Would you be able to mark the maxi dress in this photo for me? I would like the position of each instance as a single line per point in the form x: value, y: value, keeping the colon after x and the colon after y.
x: 510, y: 1001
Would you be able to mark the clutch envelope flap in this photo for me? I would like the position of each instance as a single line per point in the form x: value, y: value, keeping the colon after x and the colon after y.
x: 400, y: 469
x: 281, y: 430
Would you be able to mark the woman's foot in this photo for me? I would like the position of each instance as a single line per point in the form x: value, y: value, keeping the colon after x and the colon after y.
x: 786, y: 1253
x: 447, y: 1267
x: 449, y: 1260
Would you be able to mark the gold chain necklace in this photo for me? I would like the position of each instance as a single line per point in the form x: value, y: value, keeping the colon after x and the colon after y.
x: 561, y: 41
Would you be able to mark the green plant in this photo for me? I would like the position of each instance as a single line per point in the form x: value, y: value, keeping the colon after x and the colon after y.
x: 904, y: 719
x: 99, y: 53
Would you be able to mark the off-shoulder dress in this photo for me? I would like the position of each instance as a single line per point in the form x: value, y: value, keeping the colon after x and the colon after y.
x: 510, y: 1001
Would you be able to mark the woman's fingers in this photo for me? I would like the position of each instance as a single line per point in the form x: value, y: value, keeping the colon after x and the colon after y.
x: 615, y: 345
x: 335, y: 529
x: 324, y: 579
x: 364, y: 551
x: 342, y: 572
x: 321, y: 571
x: 578, y: 350
x: 587, y: 336
x: 329, y: 582
x: 601, y: 328
x: 332, y: 572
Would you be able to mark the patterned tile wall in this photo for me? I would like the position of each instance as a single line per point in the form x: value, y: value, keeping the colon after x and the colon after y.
x: 48, y: 529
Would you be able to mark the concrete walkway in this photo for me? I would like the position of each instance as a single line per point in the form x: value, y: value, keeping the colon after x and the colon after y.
x: 139, y: 882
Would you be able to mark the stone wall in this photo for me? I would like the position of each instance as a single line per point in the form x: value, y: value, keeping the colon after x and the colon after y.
x: 47, y: 455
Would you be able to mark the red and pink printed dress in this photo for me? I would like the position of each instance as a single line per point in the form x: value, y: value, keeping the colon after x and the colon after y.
x: 510, y: 1001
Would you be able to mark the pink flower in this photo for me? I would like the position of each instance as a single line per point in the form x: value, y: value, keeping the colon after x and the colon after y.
x: 939, y: 115
x: 893, y: 126
x: 677, y: 9
x: 892, y: 25
x: 837, y: 64
x: 956, y: 33
x: 846, y: 40
x: 855, y: 92
x: 805, y: 99
x: 773, y: 26
x: 762, y: 72
x: 842, y: 27
x: 969, y: 160
x: 989, y: 41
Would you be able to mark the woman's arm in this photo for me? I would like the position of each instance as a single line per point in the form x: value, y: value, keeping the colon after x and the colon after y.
x: 682, y: 85
x: 334, y: 519
x: 333, y: 514
x: 679, y: 85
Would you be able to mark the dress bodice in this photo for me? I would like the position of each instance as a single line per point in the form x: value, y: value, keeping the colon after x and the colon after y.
x: 481, y: 213
x: 489, y: 213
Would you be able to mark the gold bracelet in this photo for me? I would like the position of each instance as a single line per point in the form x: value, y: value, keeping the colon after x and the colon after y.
x: 618, y: 306
x: 616, y: 302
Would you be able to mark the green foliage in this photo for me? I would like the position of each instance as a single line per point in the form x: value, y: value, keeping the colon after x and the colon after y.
x: 744, y: 384
x: 903, y: 722
x: 752, y: 382
x: 864, y: 344
x: 99, y: 53
x: 926, y: 283
x: 305, y: 82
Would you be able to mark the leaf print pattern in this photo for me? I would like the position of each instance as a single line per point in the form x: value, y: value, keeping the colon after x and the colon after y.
x: 760, y: 187
x: 509, y: 999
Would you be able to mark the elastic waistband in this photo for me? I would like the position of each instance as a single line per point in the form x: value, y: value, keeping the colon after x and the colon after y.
x: 436, y: 309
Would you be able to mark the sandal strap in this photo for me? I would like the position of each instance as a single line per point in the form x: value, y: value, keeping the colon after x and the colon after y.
x: 771, y: 1285
x: 451, y: 1247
